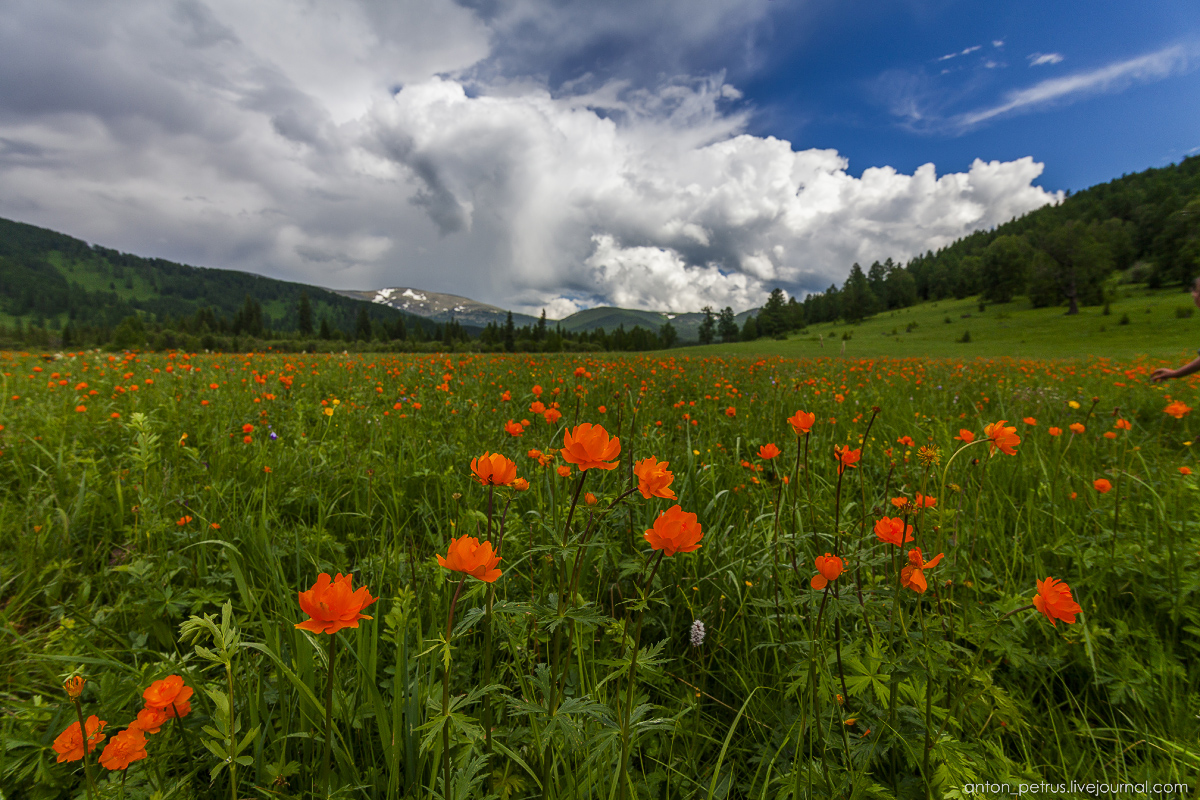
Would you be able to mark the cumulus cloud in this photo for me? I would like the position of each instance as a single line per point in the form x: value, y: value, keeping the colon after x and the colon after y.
x: 356, y: 150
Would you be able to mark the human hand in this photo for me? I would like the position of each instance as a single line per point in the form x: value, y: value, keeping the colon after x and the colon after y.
x: 1161, y: 374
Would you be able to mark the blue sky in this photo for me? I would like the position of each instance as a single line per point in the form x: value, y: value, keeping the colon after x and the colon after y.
x: 831, y: 66
x: 564, y: 154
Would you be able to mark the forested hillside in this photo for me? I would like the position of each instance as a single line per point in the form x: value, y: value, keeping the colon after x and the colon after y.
x: 1141, y: 228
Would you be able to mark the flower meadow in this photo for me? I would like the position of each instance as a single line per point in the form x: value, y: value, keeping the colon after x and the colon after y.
x: 386, y: 576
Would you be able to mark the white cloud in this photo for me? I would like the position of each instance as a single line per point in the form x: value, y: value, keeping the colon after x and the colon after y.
x: 1038, y: 59
x: 1112, y: 77
x: 997, y: 43
x: 355, y: 151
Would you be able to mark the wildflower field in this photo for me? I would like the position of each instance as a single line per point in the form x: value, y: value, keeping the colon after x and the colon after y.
x: 662, y: 576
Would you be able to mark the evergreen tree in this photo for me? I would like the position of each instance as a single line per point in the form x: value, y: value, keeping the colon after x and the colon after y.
x: 772, y: 317
x: 326, y: 334
x: 304, y: 315
x: 708, y: 327
x: 510, y: 339
x: 399, y: 330
x: 857, y: 299
x: 539, y: 332
x: 749, y: 330
x: 1003, y: 268
x: 727, y: 326
x: 362, y: 327
x: 668, y: 335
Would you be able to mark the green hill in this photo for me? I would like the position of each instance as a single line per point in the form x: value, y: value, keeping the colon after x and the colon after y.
x: 1160, y: 323
x: 48, y: 279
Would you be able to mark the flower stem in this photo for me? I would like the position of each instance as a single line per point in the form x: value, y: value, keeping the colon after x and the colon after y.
x: 446, y: 693
x: 87, y: 768
x: 328, y: 716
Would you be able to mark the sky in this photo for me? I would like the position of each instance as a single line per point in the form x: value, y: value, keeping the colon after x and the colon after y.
x: 565, y: 154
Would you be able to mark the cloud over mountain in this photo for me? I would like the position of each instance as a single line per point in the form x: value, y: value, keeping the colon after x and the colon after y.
x: 347, y: 147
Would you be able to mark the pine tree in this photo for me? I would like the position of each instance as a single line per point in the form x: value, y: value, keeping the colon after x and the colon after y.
x: 539, y: 333
x: 708, y: 327
x: 727, y: 326
x: 510, y: 341
x: 305, y: 315
x: 362, y: 328
x: 326, y: 334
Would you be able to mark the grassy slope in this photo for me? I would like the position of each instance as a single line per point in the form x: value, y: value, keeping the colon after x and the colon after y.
x: 1012, y: 329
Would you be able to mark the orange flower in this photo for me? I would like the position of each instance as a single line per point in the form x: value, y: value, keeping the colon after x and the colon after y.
x: 184, y: 520
x: 513, y: 428
x: 590, y: 499
x: 1030, y: 421
x: 1185, y: 471
x: 892, y: 531
x: 520, y: 484
x: 1102, y: 485
x: 921, y: 501
x: 123, y: 749
x: 768, y: 451
x: 1124, y: 424
x: 467, y: 555
x: 1004, y: 438
x: 1054, y: 600
x: 81, y: 408
x: 654, y: 479
x: 537, y: 407
x: 170, y: 695
x: 590, y: 447
x: 802, y: 422
x: 69, y: 743
x: 675, y: 531
x: 1054, y: 431
x: 846, y: 457
x: 73, y: 686
x: 829, y: 568
x: 731, y: 412
x: 333, y: 604
x: 564, y: 471
x: 552, y: 415
x: 1077, y: 427
x: 965, y: 436
x: 150, y: 719
x: 1177, y: 409
x: 247, y: 428
x: 913, y: 575
x: 493, y: 469
x: 907, y: 441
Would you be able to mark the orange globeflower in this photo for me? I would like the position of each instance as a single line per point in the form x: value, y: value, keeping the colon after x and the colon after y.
x: 1177, y: 409
x: 802, y: 422
x: 1054, y: 600
x: 552, y: 415
x: 892, y: 531
x: 965, y: 436
x: 590, y: 499
x: 907, y: 441
x: 513, y: 428
x: 493, y: 469
x: 333, y: 604
x: 170, y: 695
x: 675, y: 531
x: 1004, y: 438
x: 1185, y: 471
x: 913, y: 575
x: 69, y: 743
x: 1030, y: 421
x: 654, y: 478
x: 564, y: 471
x: 731, y: 412
x: 123, y: 749
x: 768, y: 451
x: 1077, y: 427
x: 829, y: 567
x: 520, y: 484
x: 1054, y: 431
x: 468, y: 556
x: 73, y: 686
x: 589, y: 446
x: 150, y: 719
x: 1124, y: 424
x: 1102, y: 485
x: 846, y: 457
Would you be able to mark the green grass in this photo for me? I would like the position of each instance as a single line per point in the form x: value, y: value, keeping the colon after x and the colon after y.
x: 1010, y: 329
x: 117, y: 532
